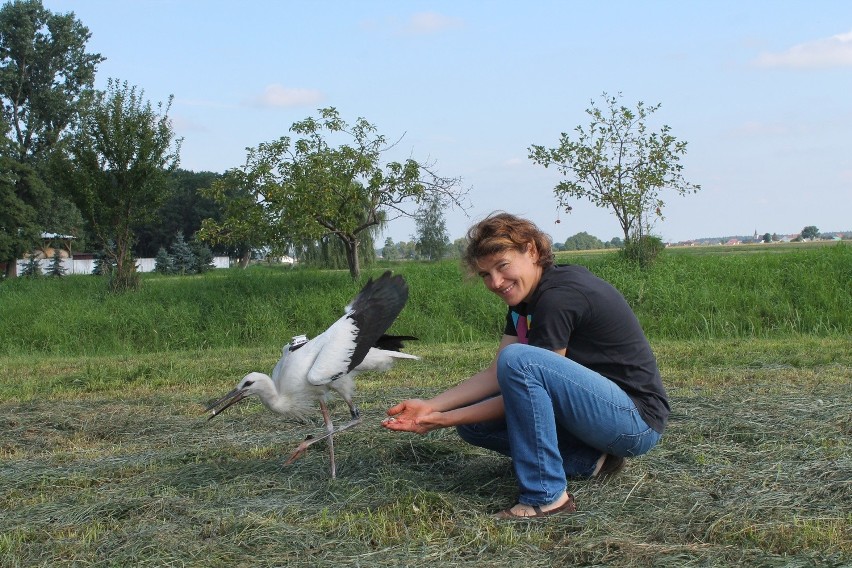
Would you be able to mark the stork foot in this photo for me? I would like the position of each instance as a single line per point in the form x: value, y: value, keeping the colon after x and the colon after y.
x: 310, y: 440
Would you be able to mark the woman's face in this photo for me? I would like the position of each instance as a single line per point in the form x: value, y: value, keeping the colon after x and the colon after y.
x: 513, y: 275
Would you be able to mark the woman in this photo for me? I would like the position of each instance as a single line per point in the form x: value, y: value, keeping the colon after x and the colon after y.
x: 574, y: 388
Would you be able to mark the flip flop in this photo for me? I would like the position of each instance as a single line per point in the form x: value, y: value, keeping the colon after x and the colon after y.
x: 568, y: 507
x: 611, y: 465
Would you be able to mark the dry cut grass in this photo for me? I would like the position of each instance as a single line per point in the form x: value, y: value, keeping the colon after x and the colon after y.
x: 112, y: 464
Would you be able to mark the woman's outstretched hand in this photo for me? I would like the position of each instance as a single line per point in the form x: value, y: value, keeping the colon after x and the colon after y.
x: 413, y: 415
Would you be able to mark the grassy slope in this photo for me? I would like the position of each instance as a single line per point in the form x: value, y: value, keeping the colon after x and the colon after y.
x: 106, y: 459
x: 684, y: 297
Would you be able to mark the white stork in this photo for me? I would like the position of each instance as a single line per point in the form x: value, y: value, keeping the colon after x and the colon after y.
x: 310, y: 369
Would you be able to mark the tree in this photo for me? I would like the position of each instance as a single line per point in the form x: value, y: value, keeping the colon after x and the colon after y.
x: 583, y: 241
x: 308, y: 187
x: 183, y: 259
x: 183, y: 210
x: 389, y: 251
x: 617, y: 163
x: 432, y: 238
x: 123, y: 153
x: 767, y: 238
x: 32, y: 269
x: 45, y: 76
x: 615, y: 242
x: 104, y: 263
x: 55, y: 268
x: 203, y: 256
x: 247, y: 221
x: 163, y: 262
x: 810, y: 232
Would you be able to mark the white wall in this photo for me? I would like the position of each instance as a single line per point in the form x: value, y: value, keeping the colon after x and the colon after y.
x: 74, y: 266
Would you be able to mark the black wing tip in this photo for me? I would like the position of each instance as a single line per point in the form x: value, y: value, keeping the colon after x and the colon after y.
x: 393, y: 342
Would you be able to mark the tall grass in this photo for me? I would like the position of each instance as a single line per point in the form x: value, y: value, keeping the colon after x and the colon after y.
x: 682, y: 297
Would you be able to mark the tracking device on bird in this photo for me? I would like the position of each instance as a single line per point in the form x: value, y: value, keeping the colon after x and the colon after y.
x: 298, y: 341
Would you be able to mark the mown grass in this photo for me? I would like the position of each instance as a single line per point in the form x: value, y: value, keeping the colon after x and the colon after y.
x: 106, y: 457
x: 109, y: 461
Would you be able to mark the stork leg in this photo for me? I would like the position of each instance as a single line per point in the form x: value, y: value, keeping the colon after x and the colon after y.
x: 330, y: 431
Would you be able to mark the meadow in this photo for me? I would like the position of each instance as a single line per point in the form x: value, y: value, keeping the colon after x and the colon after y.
x: 106, y: 457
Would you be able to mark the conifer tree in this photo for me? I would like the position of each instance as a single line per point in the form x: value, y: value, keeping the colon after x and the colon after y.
x: 32, y: 269
x: 183, y: 258
x: 56, y: 268
x: 163, y: 263
x: 203, y: 256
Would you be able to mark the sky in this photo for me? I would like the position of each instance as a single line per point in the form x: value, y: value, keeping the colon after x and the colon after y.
x: 760, y: 90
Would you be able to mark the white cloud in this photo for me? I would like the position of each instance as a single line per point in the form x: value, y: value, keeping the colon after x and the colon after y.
x: 755, y: 128
x: 515, y: 162
x: 425, y: 23
x: 834, y: 51
x: 183, y: 124
x: 279, y: 96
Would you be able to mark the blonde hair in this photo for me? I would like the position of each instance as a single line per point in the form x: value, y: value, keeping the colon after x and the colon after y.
x: 502, y: 231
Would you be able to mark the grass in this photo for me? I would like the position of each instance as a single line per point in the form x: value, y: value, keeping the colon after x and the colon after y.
x: 802, y: 292
x: 109, y: 461
x: 106, y: 457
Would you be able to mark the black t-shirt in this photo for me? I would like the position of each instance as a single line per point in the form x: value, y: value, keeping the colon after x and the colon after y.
x: 574, y: 309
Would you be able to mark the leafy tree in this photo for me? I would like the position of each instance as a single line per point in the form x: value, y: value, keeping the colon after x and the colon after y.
x: 810, y: 232
x: 45, y: 75
x: 616, y: 162
x: 163, y: 262
x: 615, y: 242
x: 56, y: 268
x: 458, y: 247
x: 767, y: 238
x: 432, y: 238
x: 247, y: 221
x: 330, y: 252
x: 184, y: 209
x: 389, y: 251
x: 583, y: 241
x: 123, y: 151
x: 307, y: 188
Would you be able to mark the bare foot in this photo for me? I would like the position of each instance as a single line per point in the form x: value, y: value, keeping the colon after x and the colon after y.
x: 599, y: 465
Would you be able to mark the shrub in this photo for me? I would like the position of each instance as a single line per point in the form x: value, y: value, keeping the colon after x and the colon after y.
x: 644, y: 250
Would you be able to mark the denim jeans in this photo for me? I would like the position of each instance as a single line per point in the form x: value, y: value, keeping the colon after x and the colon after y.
x: 560, y: 418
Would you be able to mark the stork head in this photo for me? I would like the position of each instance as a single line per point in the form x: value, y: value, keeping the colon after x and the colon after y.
x: 251, y: 384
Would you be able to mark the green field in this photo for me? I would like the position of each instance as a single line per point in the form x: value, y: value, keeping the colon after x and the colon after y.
x: 106, y: 457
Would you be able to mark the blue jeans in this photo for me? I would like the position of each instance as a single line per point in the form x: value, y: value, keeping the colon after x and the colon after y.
x: 560, y: 418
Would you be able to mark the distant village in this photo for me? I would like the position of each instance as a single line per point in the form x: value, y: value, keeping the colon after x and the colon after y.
x: 765, y: 238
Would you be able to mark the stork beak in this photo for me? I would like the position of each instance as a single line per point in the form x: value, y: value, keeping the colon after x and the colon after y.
x: 218, y: 406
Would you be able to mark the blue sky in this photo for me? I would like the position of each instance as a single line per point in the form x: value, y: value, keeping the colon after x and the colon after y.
x: 760, y: 90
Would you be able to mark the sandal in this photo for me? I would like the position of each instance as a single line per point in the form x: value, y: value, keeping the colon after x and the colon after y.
x: 611, y: 465
x: 567, y: 507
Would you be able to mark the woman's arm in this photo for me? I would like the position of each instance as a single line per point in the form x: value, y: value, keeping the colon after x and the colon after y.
x: 473, y: 400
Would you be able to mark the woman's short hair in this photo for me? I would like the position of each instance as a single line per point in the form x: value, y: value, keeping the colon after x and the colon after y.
x: 502, y: 231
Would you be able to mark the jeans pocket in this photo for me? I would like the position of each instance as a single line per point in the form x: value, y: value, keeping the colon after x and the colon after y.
x: 631, y: 445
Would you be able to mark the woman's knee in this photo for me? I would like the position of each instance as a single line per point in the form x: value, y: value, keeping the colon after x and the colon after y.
x: 509, y: 360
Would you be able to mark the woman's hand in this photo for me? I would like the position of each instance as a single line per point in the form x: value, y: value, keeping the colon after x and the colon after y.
x: 413, y: 415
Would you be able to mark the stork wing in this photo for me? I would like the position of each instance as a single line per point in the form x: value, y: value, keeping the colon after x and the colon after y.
x: 343, y: 346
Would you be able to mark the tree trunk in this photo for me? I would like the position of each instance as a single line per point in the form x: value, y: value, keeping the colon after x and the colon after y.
x: 245, y: 258
x: 12, y: 268
x: 350, y: 243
